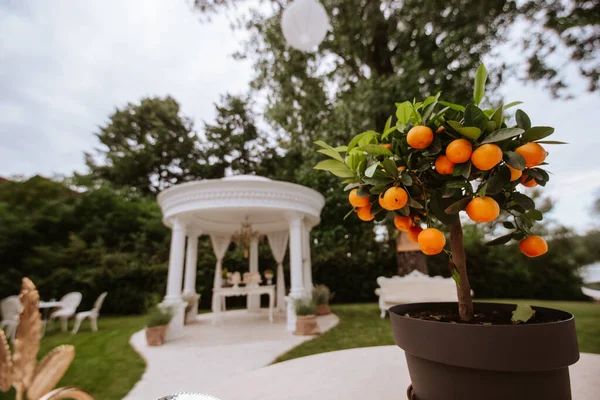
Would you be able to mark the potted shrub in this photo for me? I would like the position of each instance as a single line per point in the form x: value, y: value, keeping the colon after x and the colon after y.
x: 156, y: 326
x: 269, y: 276
x: 435, y: 161
x: 306, y: 319
x: 321, y: 296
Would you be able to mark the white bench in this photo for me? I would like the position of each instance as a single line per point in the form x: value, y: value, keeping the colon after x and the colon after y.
x: 415, y: 287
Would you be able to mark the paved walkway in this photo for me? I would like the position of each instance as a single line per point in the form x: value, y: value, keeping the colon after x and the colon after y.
x: 214, y: 354
x: 358, y: 374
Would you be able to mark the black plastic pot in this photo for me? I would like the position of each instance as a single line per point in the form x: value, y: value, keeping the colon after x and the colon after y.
x: 453, y: 361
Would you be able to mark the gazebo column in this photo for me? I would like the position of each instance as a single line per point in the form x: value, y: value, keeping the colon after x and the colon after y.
x: 306, y: 259
x: 253, y: 300
x: 296, y: 275
x: 191, y: 270
x: 173, y: 299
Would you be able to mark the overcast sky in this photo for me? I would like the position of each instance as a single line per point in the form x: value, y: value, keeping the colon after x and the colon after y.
x: 65, y: 66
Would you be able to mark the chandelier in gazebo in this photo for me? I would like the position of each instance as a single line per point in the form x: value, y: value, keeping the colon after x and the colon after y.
x: 244, y: 236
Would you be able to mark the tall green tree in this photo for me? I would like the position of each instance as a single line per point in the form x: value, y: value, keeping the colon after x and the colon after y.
x: 148, y: 146
x: 233, y: 143
x: 379, y: 51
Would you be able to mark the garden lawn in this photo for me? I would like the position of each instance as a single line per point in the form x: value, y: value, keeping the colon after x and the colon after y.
x: 360, y: 326
x: 105, y: 364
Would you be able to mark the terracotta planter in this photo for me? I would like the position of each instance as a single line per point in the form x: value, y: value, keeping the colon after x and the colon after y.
x: 323, y: 309
x: 449, y: 361
x: 155, y: 336
x: 306, y: 325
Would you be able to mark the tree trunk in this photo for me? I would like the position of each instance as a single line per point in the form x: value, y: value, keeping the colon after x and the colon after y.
x: 410, y: 261
x: 465, y: 301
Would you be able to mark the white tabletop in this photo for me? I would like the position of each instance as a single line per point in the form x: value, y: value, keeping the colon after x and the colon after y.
x: 49, y: 304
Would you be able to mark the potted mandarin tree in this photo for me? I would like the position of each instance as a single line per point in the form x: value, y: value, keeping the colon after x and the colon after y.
x: 435, y: 161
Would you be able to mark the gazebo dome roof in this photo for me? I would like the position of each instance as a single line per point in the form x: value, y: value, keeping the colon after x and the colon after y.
x: 220, y: 206
x: 246, y: 178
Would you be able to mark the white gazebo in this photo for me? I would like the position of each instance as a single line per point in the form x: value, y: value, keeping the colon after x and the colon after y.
x: 219, y: 208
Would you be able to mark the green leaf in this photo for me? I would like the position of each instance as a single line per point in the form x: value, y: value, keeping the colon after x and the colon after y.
x: 482, y: 190
x: 498, y: 116
x: 502, y: 134
x: 390, y: 167
x: 490, y: 126
x: 437, y: 205
x: 371, y: 170
x: 321, y: 143
x: 551, y: 142
x: 415, y: 204
x: 457, y: 184
x: 514, y: 103
x: 438, y: 114
x: 508, y: 225
x: 455, y: 107
x: 431, y: 100
x: 475, y: 117
x: 341, y: 149
x: 456, y: 277
x: 388, y: 124
x: 378, y: 189
x: 361, y: 138
x: 403, y: 113
x: 500, y: 240
x: 463, y: 170
x: 374, y: 149
x: 387, y: 132
x: 515, y: 160
x: 523, y: 200
x: 428, y: 106
x: 378, y: 180
x: 337, y: 168
x: 480, y: 79
x: 363, y: 191
x: 535, y: 215
x: 458, y: 206
x: 351, y: 186
x: 537, y: 133
x: 522, y: 314
x: 404, y: 211
x: 331, y: 153
x: 523, y: 120
x: 498, y: 181
x: 434, y: 148
x: 471, y: 132
x: 353, y: 161
x: 407, y: 180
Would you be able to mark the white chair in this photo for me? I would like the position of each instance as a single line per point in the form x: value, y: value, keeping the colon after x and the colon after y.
x: 10, y: 308
x: 70, y: 302
x: 93, y: 315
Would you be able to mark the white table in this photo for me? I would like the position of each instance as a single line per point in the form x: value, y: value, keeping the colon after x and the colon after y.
x: 219, y: 296
x: 46, y: 306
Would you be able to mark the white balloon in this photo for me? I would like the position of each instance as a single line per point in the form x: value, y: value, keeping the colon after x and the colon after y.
x: 305, y: 24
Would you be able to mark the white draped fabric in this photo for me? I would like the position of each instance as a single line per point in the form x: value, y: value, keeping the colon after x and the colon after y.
x: 220, y: 244
x: 278, y: 242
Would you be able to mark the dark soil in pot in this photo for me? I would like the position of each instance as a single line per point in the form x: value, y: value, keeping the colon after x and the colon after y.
x: 449, y: 360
